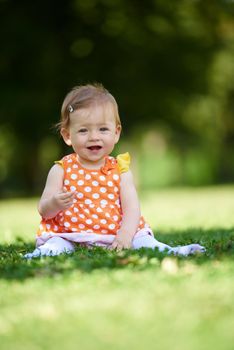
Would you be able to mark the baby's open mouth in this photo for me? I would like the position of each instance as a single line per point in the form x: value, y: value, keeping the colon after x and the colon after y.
x: 94, y: 148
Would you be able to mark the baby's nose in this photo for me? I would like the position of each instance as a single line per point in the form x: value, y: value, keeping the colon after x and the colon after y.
x: 94, y: 135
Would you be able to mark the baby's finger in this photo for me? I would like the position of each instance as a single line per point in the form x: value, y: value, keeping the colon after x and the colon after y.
x: 113, y: 246
x: 68, y: 201
x: 119, y: 248
x: 67, y: 195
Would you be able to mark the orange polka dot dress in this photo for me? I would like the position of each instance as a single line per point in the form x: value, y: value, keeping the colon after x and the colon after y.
x: 96, y: 208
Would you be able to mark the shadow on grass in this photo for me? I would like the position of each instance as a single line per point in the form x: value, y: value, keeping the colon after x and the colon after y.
x: 218, y: 242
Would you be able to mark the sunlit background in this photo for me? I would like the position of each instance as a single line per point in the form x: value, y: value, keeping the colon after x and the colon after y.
x: 170, y: 65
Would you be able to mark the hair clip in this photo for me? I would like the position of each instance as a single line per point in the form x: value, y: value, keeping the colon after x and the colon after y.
x: 70, y: 108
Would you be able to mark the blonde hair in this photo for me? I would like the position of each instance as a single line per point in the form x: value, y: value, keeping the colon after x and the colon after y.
x: 86, y: 96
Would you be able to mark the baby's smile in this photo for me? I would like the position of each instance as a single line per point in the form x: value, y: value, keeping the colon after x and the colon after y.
x: 94, y: 148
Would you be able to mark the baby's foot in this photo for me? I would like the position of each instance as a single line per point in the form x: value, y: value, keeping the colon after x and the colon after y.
x: 35, y: 254
x: 54, y: 246
x: 187, y: 250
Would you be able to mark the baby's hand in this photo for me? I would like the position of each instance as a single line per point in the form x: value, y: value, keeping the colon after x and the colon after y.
x: 63, y: 200
x: 121, y: 241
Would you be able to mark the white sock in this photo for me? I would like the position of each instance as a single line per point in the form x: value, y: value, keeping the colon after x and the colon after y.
x: 54, y: 246
x: 148, y: 241
x: 187, y: 249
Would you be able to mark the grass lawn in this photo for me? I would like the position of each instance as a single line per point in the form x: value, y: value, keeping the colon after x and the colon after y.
x: 95, y: 299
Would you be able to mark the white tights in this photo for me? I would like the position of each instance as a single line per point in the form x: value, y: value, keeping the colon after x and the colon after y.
x: 151, y: 242
x: 57, y: 245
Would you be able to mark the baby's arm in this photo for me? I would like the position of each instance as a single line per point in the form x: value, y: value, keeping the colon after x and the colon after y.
x: 131, y: 213
x: 54, y: 198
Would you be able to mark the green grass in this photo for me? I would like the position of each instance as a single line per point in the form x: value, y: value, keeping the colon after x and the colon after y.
x: 96, y: 299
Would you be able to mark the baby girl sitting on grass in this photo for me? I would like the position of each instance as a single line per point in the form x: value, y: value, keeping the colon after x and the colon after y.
x: 89, y: 197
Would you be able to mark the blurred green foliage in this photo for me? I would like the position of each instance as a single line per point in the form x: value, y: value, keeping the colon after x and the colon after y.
x: 169, y: 64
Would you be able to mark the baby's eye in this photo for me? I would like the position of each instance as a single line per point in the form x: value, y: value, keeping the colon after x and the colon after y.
x: 82, y: 130
x: 104, y: 129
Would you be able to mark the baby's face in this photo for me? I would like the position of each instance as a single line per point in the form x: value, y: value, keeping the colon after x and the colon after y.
x: 92, y: 133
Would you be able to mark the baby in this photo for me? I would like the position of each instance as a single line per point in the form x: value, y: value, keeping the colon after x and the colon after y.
x: 89, y: 197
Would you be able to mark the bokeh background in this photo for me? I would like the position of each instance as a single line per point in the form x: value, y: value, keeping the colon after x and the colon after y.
x: 170, y: 65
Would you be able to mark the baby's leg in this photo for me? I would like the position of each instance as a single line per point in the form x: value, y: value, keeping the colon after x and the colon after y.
x: 148, y: 241
x: 54, y: 246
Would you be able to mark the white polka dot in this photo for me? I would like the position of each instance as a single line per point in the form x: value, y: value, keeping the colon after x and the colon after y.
x: 68, y: 170
x: 86, y: 211
x: 66, y: 182
x: 81, y: 171
x: 99, y: 210
x: 107, y: 215
x: 115, y: 217
x: 68, y: 212
x: 75, y: 210
x: 74, y: 219
x: 117, y: 202
x: 89, y: 221
x: 116, y: 189
x: 80, y: 195
x: 56, y: 228
x: 69, y: 160
x: 94, y: 173
x: 110, y: 183
x: 73, y: 176
x: 80, y: 183
x: 102, y: 178
x: 75, y: 166
x: 66, y: 224
x: 87, y: 177
x: 96, y: 196
x: 111, y: 226
x: 81, y: 226
x: 111, y: 196
x: 103, y: 202
x: 104, y: 231
x: 88, y: 189
x: 81, y: 216
x: 103, y: 221
x: 72, y: 188
x: 74, y: 200
x: 116, y: 177
x: 74, y: 229
x: 96, y: 227
x: 91, y: 205
x: 95, y: 183
x: 48, y: 226
x: 112, y: 206
x: 102, y: 189
x: 88, y: 201
x: 95, y: 216
x: 89, y: 231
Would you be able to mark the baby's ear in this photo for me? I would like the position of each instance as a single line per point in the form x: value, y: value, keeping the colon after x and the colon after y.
x: 117, y: 133
x: 66, y: 136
